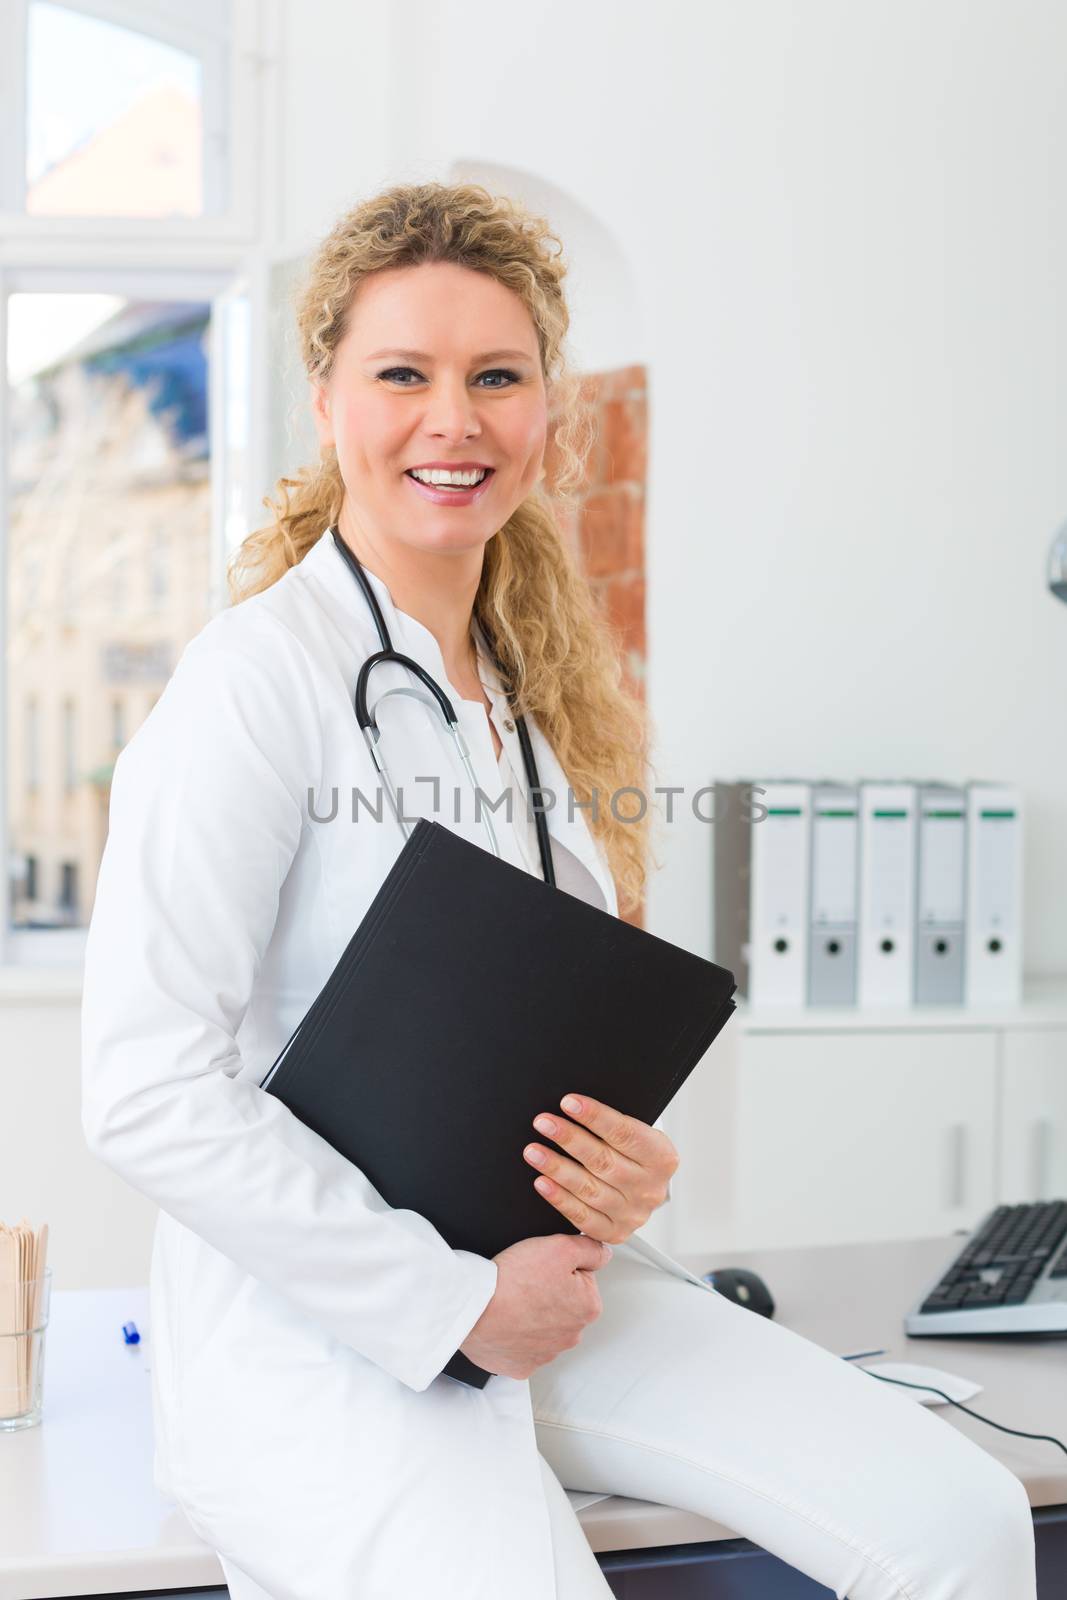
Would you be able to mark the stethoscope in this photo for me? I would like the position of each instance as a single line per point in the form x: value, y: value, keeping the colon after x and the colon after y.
x: 435, y: 699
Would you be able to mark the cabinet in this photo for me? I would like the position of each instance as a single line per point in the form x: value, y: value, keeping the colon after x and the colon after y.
x: 876, y: 1137
x: 1033, y: 1115
x: 840, y: 1126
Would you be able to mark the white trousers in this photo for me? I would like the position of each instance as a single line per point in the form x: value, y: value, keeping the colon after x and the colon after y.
x: 680, y: 1396
x: 677, y: 1395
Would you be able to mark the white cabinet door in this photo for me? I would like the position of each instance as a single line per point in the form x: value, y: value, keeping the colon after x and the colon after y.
x: 844, y: 1137
x: 1034, y: 1115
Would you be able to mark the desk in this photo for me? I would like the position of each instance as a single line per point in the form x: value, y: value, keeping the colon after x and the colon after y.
x: 79, y: 1514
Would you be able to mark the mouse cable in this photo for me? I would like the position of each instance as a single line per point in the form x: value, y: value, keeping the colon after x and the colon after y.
x: 1019, y: 1433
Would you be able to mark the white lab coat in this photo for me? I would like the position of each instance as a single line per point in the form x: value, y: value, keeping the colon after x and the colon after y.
x: 299, y: 1323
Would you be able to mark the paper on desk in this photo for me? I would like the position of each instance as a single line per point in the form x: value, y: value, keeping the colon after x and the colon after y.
x: 580, y: 1498
x: 955, y: 1387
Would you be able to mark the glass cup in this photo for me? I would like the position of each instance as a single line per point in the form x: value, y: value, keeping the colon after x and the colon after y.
x: 24, y: 1307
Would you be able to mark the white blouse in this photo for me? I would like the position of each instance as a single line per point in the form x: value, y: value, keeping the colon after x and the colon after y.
x: 518, y: 841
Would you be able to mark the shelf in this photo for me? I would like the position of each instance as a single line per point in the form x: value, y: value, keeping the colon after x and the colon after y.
x: 40, y: 985
x: 1044, y: 1005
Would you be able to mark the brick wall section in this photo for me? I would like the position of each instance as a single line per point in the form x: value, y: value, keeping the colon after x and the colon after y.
x: 606, y: 525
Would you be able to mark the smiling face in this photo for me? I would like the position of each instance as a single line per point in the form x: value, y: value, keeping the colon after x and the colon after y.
x: 461, y: 402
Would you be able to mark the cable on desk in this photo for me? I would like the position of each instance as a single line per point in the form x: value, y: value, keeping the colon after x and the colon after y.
x: 1018, y: 1432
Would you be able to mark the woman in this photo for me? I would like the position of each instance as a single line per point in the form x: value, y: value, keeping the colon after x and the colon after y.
x: 300, y: 1324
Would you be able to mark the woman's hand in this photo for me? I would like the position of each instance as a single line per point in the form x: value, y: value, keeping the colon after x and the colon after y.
x: 615, y: 1172
x: 545, y: 1297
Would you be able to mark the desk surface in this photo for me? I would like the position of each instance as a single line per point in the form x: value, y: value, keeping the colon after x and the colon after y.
x: 79, y: 1513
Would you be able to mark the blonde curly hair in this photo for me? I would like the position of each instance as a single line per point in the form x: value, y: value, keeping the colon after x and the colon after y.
x: 560, y: 657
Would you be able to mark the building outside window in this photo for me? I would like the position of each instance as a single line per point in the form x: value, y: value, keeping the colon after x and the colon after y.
x: 116, y: 427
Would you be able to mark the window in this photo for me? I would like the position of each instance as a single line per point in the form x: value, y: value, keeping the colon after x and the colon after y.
x: 116, y: 560
x: 131, y: 134
x: 114, y: 120
x: 33, y: 747
x: 68, y: 587
x: 70, y: 746
x: 158, y: 566
x: 68, y: 888
x: 125, y: 107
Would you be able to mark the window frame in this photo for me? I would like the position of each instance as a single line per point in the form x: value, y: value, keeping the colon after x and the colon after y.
x: 230, y: 110
x: 209, y: 258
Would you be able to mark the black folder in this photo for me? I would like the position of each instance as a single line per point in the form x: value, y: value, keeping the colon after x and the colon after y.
x: 472, y: 996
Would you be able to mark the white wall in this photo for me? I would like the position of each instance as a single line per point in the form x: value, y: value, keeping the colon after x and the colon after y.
x: 846, y: 229
x: 99, y: 1229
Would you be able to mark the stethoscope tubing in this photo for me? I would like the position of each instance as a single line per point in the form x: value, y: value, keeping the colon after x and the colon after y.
x: 372, y: 735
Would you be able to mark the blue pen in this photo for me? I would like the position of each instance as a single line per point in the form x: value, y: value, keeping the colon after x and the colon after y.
x: 130, y: 1334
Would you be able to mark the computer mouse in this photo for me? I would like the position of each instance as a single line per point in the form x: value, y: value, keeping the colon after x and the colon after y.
x: 744, y: 1287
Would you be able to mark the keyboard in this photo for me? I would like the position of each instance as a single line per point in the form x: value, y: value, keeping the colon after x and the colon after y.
x: 1010, y: 1277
